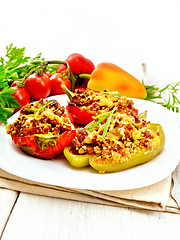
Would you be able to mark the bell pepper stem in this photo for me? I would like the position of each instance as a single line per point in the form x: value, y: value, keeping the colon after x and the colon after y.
x: 83, y: 75
x: 69, y: 93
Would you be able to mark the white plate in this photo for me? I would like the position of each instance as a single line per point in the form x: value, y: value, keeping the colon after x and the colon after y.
x: 59, y: 172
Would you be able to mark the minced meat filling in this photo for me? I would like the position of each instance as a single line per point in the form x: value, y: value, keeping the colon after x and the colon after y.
x: 96, y: 102
x: 126, y: 136
x: 39, y: 118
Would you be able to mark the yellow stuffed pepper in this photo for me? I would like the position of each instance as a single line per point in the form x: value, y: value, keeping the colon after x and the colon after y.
x: 115, y: 141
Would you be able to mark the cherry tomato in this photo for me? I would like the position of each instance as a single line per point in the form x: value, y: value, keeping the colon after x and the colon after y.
x: 38, y: 86
x: 61, y: 68
x: 56, y: 81
x: 14, y: 84
x: 22, y: 96
x: 48, y: 74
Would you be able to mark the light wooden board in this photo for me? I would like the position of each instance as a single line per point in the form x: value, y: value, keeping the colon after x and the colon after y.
x: 37, y: 217
x: 7, y: 201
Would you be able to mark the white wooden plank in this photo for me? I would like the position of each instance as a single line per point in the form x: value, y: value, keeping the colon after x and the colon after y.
x: 7, y: 201
x: 36, y: 217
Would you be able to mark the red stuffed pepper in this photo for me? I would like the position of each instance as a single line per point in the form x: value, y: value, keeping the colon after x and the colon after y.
x: 85, y: 104
x: 43, y: 129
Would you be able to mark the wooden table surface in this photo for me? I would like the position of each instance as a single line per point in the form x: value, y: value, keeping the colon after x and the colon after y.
x: 25, y: 217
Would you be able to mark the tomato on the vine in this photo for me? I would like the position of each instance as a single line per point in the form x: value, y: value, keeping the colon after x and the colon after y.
x: 61, y: 68
x: 14, y: 84
x: 56, y: 81
x: 21, y: 95
x: 38, y: 86
x: 48, y: 74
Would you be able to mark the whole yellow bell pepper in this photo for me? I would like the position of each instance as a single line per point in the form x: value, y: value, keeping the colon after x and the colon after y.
x: 112, y: 77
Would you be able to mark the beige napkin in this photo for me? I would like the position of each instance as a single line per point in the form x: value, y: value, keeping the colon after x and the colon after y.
x: 155, y: 197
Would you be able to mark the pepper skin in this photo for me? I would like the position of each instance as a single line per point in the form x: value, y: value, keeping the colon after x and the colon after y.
x: 112, y: 77
x: 79, y: 64
x: 139, y: 158
x: 80, y: 116
x: 30, y: 145
x: 77, y: 161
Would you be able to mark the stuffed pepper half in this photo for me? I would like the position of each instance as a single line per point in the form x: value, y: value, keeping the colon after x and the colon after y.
x: 43, y: 129
x: 86, y: 103
x: 115, y: 141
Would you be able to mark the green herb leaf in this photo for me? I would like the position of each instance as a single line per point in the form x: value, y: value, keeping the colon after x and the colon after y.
x: 103, y: 116
x: 167, y: 95
x: 6, y: 99
x: 7, y: 104
x: 5, y: 113
x: 37, y: 110
x: 15, y: 64
x: 14, y: 57
x: 98, y: 122
x: 112, y: 93
x: 107, y: 123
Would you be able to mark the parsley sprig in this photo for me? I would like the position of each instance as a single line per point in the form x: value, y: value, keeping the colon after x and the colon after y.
x: 7, y: 103
x: 13, y: 66
x: 102, y: 117
x: 165, y: 96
